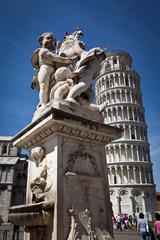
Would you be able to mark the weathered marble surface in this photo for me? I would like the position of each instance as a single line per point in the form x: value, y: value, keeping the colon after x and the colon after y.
x: 88, y: 112
x: 37, y: 219
x: 67, y: 167
x: 68, y: 73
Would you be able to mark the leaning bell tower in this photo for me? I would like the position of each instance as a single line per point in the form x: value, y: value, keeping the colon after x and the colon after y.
x: 130, y: 175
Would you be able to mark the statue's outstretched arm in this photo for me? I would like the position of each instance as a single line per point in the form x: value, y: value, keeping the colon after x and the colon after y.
x: 56, y: 58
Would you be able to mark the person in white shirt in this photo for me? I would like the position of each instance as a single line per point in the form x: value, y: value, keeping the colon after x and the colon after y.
x: 142, y: 227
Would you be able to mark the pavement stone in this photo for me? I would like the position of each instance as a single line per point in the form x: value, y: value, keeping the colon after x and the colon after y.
x: 125, y: 235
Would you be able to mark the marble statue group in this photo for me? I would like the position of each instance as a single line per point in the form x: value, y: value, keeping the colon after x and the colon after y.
x: 67, y: 186
x: 68, y: 73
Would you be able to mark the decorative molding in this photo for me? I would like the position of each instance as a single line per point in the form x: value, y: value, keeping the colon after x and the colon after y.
x: 78, y: 127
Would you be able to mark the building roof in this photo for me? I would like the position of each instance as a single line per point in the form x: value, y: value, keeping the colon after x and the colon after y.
x: 8, y: 160
x: 6, y: 138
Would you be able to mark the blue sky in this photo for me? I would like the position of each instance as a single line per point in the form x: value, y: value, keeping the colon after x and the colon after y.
x: 130, y: 25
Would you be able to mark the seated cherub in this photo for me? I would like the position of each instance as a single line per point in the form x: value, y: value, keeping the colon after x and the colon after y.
x: 63, y: 83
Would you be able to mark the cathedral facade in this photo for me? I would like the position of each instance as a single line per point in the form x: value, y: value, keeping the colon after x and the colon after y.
x: 129, y: 166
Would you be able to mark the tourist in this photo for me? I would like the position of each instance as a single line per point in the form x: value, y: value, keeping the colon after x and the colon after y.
x: 130, y: 221
x: 151, y: 232
x: 125, y: 219
x: 134, y: 221
x: 114, y: 222
x: 119, y: 222
x: 157, y: 226
x: 142, y: 227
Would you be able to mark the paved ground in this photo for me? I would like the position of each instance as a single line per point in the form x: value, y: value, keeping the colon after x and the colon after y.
x: 125, y: 235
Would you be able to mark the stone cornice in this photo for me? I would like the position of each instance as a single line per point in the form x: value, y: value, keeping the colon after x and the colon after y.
x: 119, y: 88
x: 130, y: 123
x: 132, y: 71
x: 56, y: 121
x: 129, y: 163
x: 129, y: 185
x: 128, y: 142
x: 126, y: 104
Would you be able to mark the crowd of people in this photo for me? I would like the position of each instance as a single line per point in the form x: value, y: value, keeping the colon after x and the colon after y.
x: 144, y: 230
x: 125, y: 222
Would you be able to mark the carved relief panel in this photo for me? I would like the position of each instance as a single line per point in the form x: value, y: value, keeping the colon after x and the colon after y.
x: 41, y: 176
x: 85, y: 211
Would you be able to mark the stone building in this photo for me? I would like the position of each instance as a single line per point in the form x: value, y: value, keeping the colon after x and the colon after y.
x: 132, y: 188
x: 13, y: 177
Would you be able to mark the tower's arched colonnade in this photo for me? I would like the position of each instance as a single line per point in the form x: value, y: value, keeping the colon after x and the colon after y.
x: 129, y: 168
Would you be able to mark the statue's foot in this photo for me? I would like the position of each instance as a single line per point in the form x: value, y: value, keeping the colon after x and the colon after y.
x: 92, y: 106
x: 102, y: 107
x: 38, y: 106
x: 96, y: 107
x: 71, y: 100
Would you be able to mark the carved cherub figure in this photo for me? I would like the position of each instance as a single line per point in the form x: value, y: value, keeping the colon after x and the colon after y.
x: 45, y: 63
x: 64, y: 83
x: 86, y: 69
x: 41, y: 182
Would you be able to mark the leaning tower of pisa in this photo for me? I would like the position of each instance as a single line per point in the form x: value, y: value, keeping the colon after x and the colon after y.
x: 132, y: 188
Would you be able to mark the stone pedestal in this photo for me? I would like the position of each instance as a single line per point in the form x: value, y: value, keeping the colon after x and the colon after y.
x: 67, y: 193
